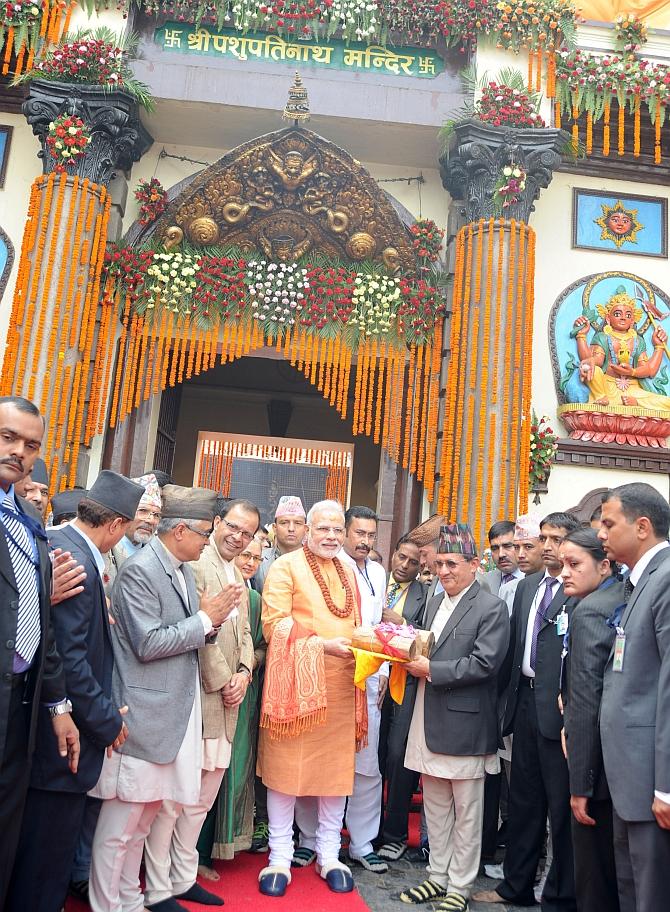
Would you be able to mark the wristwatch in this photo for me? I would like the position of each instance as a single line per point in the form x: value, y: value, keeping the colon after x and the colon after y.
x: 65, y: 706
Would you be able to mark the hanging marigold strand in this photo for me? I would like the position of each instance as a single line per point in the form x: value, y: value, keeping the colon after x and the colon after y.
x: 461, y: 381
x: 357, y: 387
x: 529, y: 79
x: 447, y: 448
x: 370, y: 402
x: 575, y: 127
x: 379, y: 404
x: 657, y: 134
x: 551, y: 73
x: 538, y: 71
x: 408, y: 413
x: 636, y: 128
x: 516, y: 267
x: 433, y: 411
x: 606, y: 127
x: 589, y: 133
x: 621, y: 138
x: 557, y: 115
x: 418, y: 429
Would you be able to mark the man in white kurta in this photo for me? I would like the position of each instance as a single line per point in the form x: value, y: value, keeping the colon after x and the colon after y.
x: 364, y: 804
x: 158, y: 628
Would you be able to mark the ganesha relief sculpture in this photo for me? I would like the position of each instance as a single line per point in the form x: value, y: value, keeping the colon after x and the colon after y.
x: 612, y: 360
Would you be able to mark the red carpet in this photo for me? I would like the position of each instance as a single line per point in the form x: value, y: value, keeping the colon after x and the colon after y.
x: 239, y: 888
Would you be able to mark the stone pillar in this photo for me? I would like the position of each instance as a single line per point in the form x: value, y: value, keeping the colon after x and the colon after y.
x: 484, y: 457
x: 61, y: 334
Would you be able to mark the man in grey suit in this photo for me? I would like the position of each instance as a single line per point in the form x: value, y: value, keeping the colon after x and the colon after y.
x: 455, y: 732
x: 159, y: 626
x: 634, y: 717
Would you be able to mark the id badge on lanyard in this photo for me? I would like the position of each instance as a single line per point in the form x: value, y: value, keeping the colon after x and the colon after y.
x: 619, y: 649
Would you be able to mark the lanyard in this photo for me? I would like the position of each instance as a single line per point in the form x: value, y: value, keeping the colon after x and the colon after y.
x: 364, y: 574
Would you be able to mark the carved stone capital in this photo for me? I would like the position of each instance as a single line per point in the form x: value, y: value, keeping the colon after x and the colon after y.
x: 478, y: 152
x: 118, y: 137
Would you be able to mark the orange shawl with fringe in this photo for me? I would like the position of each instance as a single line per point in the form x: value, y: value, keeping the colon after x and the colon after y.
x: 294, y: 690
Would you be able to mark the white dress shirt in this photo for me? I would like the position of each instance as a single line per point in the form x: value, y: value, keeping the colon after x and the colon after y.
x: 526, y: 670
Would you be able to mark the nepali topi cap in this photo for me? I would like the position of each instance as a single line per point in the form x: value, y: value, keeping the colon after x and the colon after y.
x: 117, y: 493
x: 152, y: 491
x: 65, y: 504
x: 527, y: 527
x: 39, y: 472
x: 289, y: 506
x: 457, y: 538
x: 188, y: 503
x: 428, y: 531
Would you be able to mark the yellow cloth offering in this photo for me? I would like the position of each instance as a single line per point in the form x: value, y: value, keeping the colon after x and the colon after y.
x: 368, y: 663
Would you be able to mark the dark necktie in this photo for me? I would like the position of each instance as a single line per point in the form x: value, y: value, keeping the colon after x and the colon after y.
x: 393, y: 591
x: 541, y: 616
x: 628, y: 587
x: 507, y: 578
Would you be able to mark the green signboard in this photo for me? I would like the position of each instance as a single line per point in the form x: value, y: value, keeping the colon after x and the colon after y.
x: 355, y: 56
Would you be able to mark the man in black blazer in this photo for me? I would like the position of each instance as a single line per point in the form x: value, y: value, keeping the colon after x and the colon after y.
x: 539, y: 778
x: 454, y: 733
x: 56, y: 798
x: 634, y: 716
x: 30, y: 668
x: 405, y: 603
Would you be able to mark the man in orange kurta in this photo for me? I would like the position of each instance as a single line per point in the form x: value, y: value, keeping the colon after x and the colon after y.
x: 311, y: 716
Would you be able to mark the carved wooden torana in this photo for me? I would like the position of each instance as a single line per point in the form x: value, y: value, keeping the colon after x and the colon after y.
x: 284, y: 195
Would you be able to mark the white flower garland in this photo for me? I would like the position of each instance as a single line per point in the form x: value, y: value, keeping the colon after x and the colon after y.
x: 277, y: 292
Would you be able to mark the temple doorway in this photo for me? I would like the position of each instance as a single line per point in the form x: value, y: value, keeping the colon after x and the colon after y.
x: 263, y: 400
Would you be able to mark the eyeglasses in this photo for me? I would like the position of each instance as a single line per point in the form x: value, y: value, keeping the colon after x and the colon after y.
x: 247, y: 556
x: 449, y: 564
x: 235, y: 530
x: 149, y: 514
x: 199, y: 531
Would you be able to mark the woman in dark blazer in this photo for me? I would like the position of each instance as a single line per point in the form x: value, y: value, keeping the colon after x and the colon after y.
x: 588, y: 576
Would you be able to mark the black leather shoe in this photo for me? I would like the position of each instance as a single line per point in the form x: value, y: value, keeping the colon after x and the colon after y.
x: 340, y: 881
x: 273, y: 884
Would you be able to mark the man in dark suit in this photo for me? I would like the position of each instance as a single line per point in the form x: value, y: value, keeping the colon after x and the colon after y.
x: 539, y: 779
x: 30, y: 667
x: 634, y: 717
x: 57, y: 798
x: 454, y: 734
x: 405, y: 603
x: 501, y: 543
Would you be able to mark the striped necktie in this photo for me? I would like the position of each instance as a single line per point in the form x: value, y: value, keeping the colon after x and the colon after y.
x: 25, y: 563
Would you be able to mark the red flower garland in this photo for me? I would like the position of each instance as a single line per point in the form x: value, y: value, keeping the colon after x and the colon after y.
x: 66, y: 140
x: 153, y: 200
x: 329, y: 299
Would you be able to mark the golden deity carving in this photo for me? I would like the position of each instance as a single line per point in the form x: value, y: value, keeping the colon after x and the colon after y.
x: 290, y: 192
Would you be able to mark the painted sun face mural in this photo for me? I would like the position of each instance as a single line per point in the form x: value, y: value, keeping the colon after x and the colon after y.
x: 611, y: 359
x: 619, y: 224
